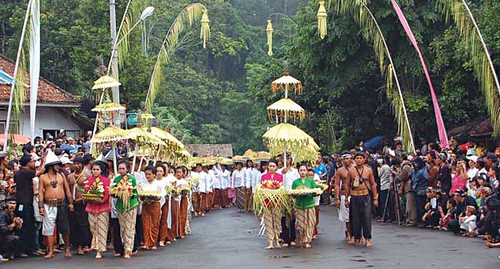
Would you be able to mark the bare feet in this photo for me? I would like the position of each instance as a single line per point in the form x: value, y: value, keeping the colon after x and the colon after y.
x: 154, y: 248
x: 86, y: 249
x: 118, y: 255
x: 80, y: 251
x: 308, y: 245
x: 68, y: 253
x: 49, y: 255
x: 278, y: 245
x: 98, y: 255
x: 168, y: 242
x: 162, y: 243
x: 127, y: 255
x: 351, y: 241
x: 285, y: 245
x: 293, y: 244
x: 368, y: 243
x: 270, y: 247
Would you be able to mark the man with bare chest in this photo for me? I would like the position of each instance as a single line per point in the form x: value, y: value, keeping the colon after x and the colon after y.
x: 54, y: 202
x: 79, y: 221
x: 340, y: 177
x: 359, y: 183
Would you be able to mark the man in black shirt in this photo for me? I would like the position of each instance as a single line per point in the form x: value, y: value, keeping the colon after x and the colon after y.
x: 463, y: 200
x: 24, y: 193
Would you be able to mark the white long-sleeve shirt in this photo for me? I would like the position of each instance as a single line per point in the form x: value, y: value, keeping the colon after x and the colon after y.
x: 211, y: 180
x: 238, y: 179
x: 203, y: 182
x: 289, y: 177
x: 217, y: 180
x: 225, y: 179
x: 249, y: 174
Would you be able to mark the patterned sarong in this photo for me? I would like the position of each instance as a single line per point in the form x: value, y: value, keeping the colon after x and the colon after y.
x: 127, y: 228
x: 306, y: 219
x: 99, y: 224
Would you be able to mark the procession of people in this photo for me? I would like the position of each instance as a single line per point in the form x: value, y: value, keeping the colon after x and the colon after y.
x: 57, y: 200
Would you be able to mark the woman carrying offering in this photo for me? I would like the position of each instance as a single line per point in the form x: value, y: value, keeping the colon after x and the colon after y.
x: 98, y: 208
x: 304, y: 207
x: 272, y: 216
x: 124, y: 188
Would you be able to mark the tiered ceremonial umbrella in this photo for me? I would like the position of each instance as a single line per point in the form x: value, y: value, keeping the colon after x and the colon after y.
x: 105, y: 82
x: 286, y: 137
x: 108, y: 107
x: 285, y: 109
x: 286, y: 83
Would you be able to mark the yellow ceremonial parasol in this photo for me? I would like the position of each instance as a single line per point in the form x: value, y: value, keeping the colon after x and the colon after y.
x: 285, y: 109
x: 144, y: 137
x: 308, y: 153
x: 286, y: 137
x: 168, y: 138
x: 183, y: 156
x: 105, y: 82
x: 110, y: 133
x: 285, y: 82
x: 108, y: 107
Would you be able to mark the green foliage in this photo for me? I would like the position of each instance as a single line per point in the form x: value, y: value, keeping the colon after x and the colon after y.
x: 220, y: 94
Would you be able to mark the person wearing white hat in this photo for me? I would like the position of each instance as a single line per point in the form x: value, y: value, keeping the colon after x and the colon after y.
x: 472, y: 171
x: 54, y: 201
x: 66, y: 163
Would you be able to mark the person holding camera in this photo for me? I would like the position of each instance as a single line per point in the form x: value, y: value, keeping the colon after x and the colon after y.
x: 10, y: 244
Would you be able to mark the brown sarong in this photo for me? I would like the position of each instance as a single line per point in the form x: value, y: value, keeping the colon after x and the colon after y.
x: 150, y: 223
x: 183, y: 215
x: 165, y: 233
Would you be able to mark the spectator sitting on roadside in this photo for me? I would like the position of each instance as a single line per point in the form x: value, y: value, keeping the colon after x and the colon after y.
x: 446, y: 213
x: 463, y: 200
x: 10, y: 244
x: 436, y: 198
x: 468, y: 222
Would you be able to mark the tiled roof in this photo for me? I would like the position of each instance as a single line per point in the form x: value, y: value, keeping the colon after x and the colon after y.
x: 48, y: 92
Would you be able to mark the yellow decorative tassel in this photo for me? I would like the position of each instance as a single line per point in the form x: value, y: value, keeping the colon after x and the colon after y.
x: 205, y: 28
x: 269, y: 31
x: 322, y: 19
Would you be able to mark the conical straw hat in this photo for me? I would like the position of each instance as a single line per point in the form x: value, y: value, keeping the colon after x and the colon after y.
x: 51, y: 159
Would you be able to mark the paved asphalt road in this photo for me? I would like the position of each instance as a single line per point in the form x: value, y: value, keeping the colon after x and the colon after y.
x: 228, y: 239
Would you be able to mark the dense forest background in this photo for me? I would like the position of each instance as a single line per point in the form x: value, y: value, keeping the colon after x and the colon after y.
x: 220, y: 94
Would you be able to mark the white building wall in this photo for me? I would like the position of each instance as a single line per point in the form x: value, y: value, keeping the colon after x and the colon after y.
x: 47, y: 118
